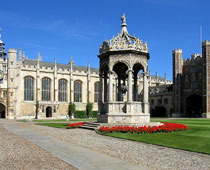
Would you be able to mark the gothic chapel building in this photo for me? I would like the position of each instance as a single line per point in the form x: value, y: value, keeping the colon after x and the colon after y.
x: 30, y: 87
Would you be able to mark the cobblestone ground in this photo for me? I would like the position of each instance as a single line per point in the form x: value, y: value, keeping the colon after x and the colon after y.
x: 17, y: 153
x: 147, y: 155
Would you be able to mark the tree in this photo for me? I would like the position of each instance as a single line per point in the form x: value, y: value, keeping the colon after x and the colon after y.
x: 89, y: 108
x: 71, y: 110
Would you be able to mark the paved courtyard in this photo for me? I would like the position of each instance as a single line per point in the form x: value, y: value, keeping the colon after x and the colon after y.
x: 86, y: 150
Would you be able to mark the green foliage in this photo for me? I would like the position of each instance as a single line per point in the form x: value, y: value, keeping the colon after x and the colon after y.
x: 64, y: 120
x: 56, y: 125
x: 71, y: 109
x: 80, y: 114
x: 95, y: 114
x: 89, y: 108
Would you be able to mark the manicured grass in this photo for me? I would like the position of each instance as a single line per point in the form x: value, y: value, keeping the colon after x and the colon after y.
x: 196, y: 139
x: 63, y: 120
x: 56, y: 125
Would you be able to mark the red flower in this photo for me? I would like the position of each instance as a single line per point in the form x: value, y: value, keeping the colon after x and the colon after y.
x: 166, y: 127
x: 75, y: 125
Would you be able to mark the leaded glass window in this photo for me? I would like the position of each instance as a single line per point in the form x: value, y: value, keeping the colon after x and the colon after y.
x: 62, y: 90
x: 77, y: 91
x: 96, y: 92
x: 28, y: 88
x: 46, y: 89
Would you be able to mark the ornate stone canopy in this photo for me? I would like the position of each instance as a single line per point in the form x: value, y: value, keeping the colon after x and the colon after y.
x: 121, y: 60
x: 123, y: 41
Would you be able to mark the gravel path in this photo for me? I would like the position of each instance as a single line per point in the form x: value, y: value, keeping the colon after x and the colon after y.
x: 152, y: 156
x: 18, y: 153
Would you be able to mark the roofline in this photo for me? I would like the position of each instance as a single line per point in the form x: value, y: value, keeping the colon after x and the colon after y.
x: 124, y: 52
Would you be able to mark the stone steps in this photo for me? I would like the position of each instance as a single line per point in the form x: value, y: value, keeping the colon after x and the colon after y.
x: 90, y: 125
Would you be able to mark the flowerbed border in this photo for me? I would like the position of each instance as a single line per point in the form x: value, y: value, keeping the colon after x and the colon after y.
x: 164, y: 128
x: 75, y: 125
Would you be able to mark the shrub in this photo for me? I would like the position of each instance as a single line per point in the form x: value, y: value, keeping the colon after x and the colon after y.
x: 71, y: 109
x: 89, y: 108
x: 95, y: 114
x: 80, y: 114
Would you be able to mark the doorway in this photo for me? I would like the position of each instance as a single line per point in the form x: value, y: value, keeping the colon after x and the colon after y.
x: 48, y: 111
x: 2, y: 111
x: 194, y: 106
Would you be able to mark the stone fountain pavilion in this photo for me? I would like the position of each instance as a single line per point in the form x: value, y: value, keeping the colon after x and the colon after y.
x: 121, y: 60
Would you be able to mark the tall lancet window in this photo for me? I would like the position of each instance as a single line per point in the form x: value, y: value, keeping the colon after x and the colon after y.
x: 77, y: 91
x: 62, y: 90
x: 96, y: 92
x: 28, y: 88
x: 46, y: 89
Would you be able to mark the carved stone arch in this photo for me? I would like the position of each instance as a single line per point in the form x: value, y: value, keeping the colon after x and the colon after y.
x: 28, y: 76
x: 79, y: 80
x: 47, y: 78
x: 63, y: 79
x: 121, y: 61
x: 137, y: 66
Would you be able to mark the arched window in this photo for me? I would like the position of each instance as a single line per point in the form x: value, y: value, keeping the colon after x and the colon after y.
x: 96, y: 92
x: 77, y: 91
x: 62, y: 90
x: 29, y: 88
x: 46, y: 89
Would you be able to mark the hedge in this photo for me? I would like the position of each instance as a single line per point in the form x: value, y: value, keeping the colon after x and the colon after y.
x: 82, y: 114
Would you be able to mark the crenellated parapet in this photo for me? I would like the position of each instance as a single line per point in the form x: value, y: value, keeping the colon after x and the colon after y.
x: 206, y: 42
x: 194, y: 58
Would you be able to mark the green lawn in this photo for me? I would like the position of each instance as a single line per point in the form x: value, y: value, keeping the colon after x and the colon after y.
x: 55, y: 120
x: 197, y: 138
x: 56, y: 125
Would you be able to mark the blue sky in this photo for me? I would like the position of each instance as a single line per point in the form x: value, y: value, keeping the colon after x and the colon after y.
x: 60, y: 29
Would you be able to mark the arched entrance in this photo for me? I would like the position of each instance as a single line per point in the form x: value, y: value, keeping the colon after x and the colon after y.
x: 120, y: 69
x: 194, y: 105
x: 48, y: 111
x: 2, y: 111
x: 137, y: 69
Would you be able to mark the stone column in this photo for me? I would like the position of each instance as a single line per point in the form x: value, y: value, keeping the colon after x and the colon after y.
x: 130, y: 94
x: 105, y: 87
x: 71, y: 82
x: 88, y: 83
x: 150, y: 79
x: 119, y: 88
x: 145, y: 97
x: 135, y: 87
x: 110, y: 86
x: 101, y: 88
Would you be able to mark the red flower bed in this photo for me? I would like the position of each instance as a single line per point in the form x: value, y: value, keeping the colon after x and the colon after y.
x: 75, y: 125
x: 166, y: 127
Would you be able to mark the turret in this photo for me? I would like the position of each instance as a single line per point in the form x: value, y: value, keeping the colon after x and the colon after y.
x: 2, y: 47
x: 165, y: 79
x: 12, y: 82
x: 206, y: 80
x: 177, y: 73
